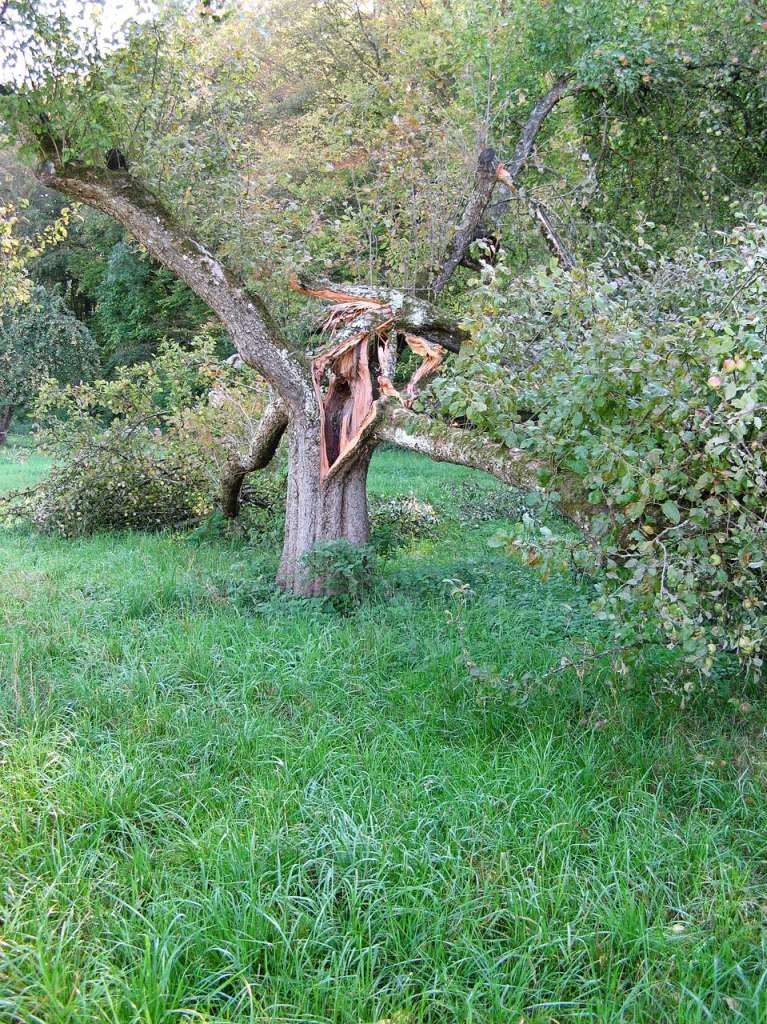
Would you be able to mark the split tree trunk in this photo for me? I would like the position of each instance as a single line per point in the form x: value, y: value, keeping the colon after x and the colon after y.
x: 319, y: 507
x: 333, y: 401
x: 6, y: 415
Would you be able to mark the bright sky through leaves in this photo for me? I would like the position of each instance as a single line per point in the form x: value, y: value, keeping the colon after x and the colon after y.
x: 108, y: 15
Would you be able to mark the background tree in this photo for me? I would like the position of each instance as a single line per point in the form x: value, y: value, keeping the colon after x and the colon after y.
x: 39, y: 339
x: 129, y: 302
x: 18, y: 253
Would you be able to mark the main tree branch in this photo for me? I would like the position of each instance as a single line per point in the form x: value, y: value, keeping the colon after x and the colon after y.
x: 244, y: 315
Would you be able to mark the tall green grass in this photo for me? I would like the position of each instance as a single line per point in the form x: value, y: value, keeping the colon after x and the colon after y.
x: 217, y: 804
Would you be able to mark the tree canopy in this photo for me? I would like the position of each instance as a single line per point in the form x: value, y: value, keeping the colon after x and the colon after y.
x: 338, y: 137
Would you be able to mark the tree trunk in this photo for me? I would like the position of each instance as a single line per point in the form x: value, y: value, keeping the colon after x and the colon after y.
x: 6, y: 415
x: 319, y: 509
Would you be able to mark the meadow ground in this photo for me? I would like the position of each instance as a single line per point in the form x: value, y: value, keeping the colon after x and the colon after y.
x: 217, y: 804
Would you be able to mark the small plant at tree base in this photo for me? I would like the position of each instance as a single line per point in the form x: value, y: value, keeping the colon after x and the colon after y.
x: 346, y: 571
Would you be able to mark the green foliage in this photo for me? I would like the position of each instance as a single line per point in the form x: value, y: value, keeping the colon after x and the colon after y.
x: 139, y: 304
x: 394, y: 522
x: 144, y: 449
x: 41, y: 339
x: 18, y: 251
x: 650, y: 387
x: 354, y: 159
x: 342, y: 139
x: 64, y: 99
x: 345, y: 570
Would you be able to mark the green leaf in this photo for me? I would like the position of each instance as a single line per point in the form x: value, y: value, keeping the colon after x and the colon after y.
x: 670, y: 510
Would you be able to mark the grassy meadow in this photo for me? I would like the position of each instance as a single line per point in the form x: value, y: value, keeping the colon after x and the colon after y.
x: 220, y: 805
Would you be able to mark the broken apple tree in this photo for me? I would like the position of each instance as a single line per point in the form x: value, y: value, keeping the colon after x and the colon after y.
x: 79, y: 111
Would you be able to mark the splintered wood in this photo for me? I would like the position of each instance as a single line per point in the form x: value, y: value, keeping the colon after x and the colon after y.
x: 353, y: 374
x: 347, y: 405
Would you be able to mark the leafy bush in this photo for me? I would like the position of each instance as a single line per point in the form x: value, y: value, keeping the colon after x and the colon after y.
x: 396, y: 521
x: 649, y: 385
x: 142, y: 485
x: 145, y: 450
x: 346, y: 571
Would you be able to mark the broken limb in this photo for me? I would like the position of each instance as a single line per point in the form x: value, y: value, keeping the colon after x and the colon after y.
x: 261, y: 450
x: 354, y: 375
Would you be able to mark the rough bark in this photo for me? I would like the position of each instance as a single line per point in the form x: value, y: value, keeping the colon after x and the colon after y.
x: 244, y: 315
x: 263, y: 445
x: 6, y: 415
x: 319, y: 509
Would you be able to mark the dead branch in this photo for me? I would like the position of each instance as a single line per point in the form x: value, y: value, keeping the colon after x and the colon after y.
x: 261, y: 450
x: 479, y: 219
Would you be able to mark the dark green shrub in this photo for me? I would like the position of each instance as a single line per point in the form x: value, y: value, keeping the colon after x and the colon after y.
x: 396, y: 521
x: 346, y: 571
x: 145, y: 450
x: 140, y: 485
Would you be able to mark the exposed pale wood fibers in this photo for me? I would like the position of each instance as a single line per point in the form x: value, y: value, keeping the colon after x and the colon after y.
x: 348, y: 403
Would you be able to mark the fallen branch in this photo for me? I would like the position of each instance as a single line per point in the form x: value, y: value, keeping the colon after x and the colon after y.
x: 513, y: 466
x: 263, y: 445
